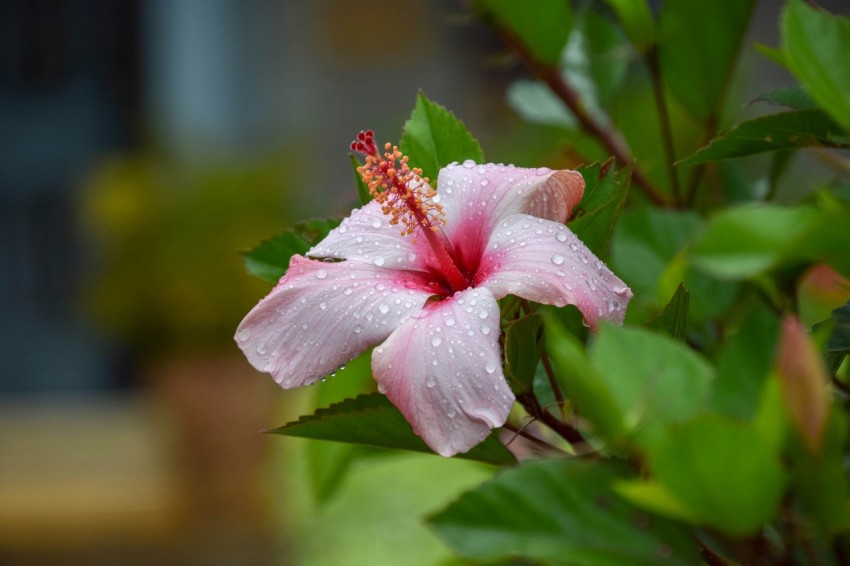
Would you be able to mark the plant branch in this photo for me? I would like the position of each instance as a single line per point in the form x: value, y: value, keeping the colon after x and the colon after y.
x: 611, y: 140
x: 550, y: 374
x: 538, y: 441
x: 698, y: 171
x: 651, y: 58
x: 565, y: 431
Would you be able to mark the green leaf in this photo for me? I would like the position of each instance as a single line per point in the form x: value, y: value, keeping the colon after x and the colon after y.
x: 839, y: 341
x: 537, y: 104
x: 605, y: 192
x: 673, y: 320
x: 790, y: 96
x: 815, y: 44
x: 745, y: 363
x: 329, y: 462
x: 559, y: 512
x: 636, y: 19
x: 371, y: 420
x: 433, y: 137
x: 773, y: 53
x: 542, y: 25
x: 363, y: 194
x: 646, y: 253
x: 644, y: 372
x: 698, y: 45
x: 748, y: 240
x: 593, y: 62
x: 581, y: 382
x: 821, y: 481
x: 523, y: 346
x: 269, y: 259
x: 786, y: 130
x: 655, y: 498
x: 646, y: 241
x: 722, y: 470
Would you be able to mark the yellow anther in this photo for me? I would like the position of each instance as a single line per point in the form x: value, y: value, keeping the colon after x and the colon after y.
x: 404, y: 195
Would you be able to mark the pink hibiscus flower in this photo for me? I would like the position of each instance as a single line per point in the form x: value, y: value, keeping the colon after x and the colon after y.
x: 425, y: 294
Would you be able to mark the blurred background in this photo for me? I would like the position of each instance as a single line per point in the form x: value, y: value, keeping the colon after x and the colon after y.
x: 143, y: 143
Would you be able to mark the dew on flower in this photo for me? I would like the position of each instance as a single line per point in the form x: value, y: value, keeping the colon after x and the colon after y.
x: 321, y: 274
x: 558, y: 259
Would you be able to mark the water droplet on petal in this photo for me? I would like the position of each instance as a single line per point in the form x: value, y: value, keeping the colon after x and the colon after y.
x: 430, y: 381
x: 561, y: 236
x: 323, y: 306
x: 468, y: 164
x: 490, y: 367
x: 379, y: 261
x: 558, y: 259
x: 485, y: 330
x: 376, y: 223
x: 574, y: 247
x: 262, y: 348
x: 358, y: 329
x: 482, y: 314
x: 384, y: 308
x: 450, y: 322
x: 436, y: 341
x: 485, y: 182
x: 243, y: 334
x: 321, y: 274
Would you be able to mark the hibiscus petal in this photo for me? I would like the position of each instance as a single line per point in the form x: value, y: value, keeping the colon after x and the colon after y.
x: 367, y: 236
x: 476, y: 198
x: 543, y: 261
x: 442, y: 369
x: 321, y: 315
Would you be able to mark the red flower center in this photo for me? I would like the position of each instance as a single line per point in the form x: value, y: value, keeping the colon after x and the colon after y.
x: 407, y: 198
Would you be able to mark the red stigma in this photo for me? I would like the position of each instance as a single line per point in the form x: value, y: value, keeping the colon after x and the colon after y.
x: 365, y: 143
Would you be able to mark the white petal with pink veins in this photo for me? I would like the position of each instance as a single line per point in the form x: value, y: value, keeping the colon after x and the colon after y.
x: 476, y: 198
x: 367, y: 236
x: 543, y: 261
x: 322, y: 314
x: 443, y: 369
